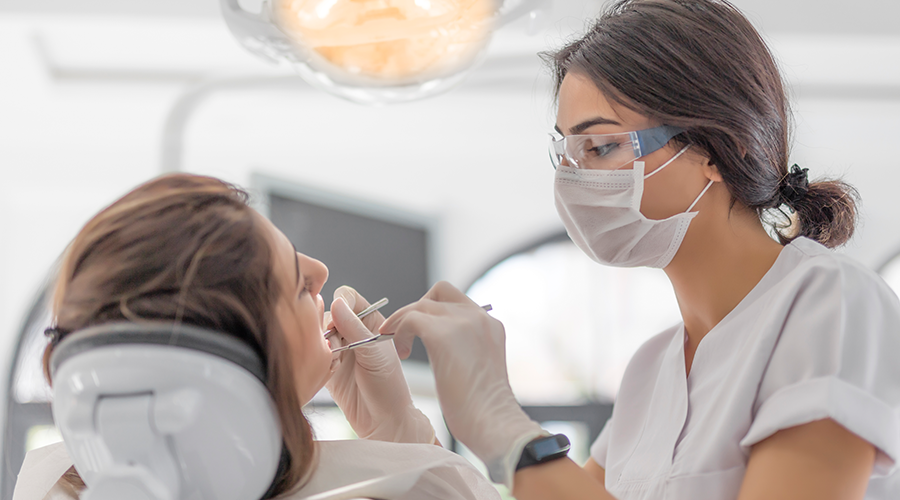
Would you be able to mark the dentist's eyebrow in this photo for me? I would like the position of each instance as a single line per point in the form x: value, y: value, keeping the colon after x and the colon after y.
x: 581, y: 127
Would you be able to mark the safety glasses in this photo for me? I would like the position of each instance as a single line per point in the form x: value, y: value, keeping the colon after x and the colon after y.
x: 608, y: 151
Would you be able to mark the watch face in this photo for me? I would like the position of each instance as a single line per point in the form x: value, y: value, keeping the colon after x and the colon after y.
x: 544, y: 448
x: 557, y: 445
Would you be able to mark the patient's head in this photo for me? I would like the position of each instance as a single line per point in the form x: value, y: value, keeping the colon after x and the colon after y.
x: 189, y: 249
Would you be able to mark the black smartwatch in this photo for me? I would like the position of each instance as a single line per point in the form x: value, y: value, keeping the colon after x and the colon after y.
x: 544, y: 449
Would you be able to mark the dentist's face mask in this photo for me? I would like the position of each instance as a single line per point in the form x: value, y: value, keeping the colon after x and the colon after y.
x: 599, y: 202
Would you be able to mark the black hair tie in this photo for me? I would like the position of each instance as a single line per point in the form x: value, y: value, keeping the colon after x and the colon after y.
x: 795, y: 185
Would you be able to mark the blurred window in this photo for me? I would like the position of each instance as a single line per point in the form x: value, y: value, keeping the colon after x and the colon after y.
x: 572, y: 325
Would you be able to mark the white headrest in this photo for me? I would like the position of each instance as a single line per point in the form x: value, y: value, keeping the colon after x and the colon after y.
x: 155, y: 411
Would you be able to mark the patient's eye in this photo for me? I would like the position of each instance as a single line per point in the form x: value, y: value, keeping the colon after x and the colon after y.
x: 307, y: 285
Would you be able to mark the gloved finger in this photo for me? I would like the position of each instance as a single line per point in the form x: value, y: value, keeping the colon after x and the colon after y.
x: 419, y: 319
x: 334, y: 337
x: 337, y: 360
x: 336, y: 341
x: 336, y: 363
x: 422, y: 305
x: 377, y: 357
x: 351, y: 296
x: 357, y: 303
x: 443, y: 291
x: 346, y: 322
x: 398, y: 326
x: 326, y: 320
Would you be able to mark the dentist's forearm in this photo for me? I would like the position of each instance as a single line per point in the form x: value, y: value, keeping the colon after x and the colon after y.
x: 560, y: 479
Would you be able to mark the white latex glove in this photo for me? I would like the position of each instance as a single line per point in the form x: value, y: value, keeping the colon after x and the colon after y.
x: 368, y: 383
x: 467, y: 350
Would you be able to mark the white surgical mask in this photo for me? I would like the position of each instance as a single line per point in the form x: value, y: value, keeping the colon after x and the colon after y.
x: 601, y: 210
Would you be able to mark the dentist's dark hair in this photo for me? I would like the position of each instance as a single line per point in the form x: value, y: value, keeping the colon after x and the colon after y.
x: 700, y: 65
x: 186, y: 249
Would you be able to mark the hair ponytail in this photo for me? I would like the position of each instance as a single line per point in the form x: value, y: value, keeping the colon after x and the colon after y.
x: 825, y: 212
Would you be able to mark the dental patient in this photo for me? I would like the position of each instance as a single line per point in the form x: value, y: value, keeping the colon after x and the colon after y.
x: 188, y: 249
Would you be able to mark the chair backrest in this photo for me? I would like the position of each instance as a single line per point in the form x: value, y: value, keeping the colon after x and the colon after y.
x: 159, y: 411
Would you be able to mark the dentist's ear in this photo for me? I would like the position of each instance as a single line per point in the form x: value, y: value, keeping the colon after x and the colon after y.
x: 710, y: 170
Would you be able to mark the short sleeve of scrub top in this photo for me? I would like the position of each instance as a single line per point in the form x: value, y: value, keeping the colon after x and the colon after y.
x: 838, y: 360
x: 818, y: 337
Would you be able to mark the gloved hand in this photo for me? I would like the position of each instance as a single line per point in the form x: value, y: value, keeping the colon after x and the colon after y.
x: 368, y: 383
x: 467, y: 350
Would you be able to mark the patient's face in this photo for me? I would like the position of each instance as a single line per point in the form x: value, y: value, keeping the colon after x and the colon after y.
x: 299, y: 311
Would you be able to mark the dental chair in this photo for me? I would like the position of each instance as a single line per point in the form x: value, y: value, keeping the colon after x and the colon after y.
x: 154, y: 411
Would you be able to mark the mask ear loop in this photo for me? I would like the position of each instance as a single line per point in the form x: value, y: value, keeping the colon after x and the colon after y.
x: 666, y: 164
x: 708, y: 185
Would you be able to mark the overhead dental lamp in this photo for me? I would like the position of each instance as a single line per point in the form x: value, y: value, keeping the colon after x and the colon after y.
x: 375, y: 51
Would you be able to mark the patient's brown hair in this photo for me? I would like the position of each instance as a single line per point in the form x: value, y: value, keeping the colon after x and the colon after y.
x: 185, y: 249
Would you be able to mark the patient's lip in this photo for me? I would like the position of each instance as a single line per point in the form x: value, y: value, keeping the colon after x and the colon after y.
x: 320, y: 306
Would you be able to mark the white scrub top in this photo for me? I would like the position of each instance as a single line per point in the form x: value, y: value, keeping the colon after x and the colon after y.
x: 446, y: 476
x: 818, y: 337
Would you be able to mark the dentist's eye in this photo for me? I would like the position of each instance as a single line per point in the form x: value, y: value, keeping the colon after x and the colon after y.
x: 603, y: 150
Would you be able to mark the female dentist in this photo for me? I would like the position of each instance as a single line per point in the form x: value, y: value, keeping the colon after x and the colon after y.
x: 782, y: 382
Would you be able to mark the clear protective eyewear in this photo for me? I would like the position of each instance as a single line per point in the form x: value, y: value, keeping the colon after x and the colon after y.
x: 609, y: 151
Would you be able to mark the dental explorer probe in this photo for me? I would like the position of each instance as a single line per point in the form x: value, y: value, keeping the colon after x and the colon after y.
x: 380, y: 337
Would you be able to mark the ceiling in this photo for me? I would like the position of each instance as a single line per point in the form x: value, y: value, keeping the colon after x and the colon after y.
x: 825, y: 49
x: 835, y: 17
